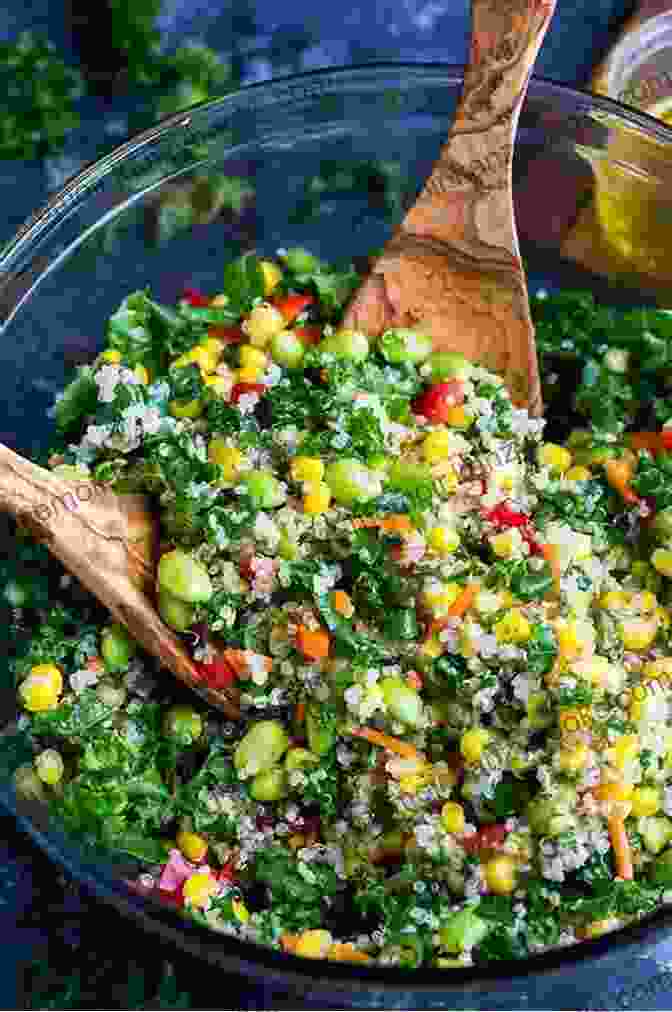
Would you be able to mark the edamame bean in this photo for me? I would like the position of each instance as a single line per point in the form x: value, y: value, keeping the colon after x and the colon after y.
x: 350, y: 480
x: 346, y: 343
x: 176, y: 613
x: 287, y: 349
x: 261, y: 748
x: 402, y: 701
x: 117, y: 648
x: 447, y: 365
x: 184, y: 577
x: 182, y: 723
x: 264, y: 489
x: 405, y: 345
x: 269, y: 785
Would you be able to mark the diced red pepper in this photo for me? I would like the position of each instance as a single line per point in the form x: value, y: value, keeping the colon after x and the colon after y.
x: 230, y: 335
x: 502, y: 516
x: 309, y: 335
x: 291, y: 305
x: 218, y: 674
x: 227, y: 873
x: 240, y: 389
x: 176, y: 898
x: 436, y: 402
x: 196, y: 298
x: 666, y: 438
x: 487, y: 838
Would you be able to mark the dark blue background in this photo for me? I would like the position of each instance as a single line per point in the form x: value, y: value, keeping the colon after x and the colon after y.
x: 34, y: 903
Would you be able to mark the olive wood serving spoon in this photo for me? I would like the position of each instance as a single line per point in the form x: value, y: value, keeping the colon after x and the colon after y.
x: 453, y: 265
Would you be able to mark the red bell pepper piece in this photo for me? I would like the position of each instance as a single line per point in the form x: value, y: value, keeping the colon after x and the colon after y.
x: 218, y: 674
x: 309, y: 335
x: 291, y: 305
x: 487, y: 838
x: 195, y: 298
x: 231, y: 335
x: 240, y: 389
x: 436, y: 402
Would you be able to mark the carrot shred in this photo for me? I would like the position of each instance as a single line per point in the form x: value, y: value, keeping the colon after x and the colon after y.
x: 288, y: 942
x: 342, y: 603
x: 651, y: 441
x: 621, y: 846
x: 300, y: 713
x: 552, y: 556
x: 464, y: 600
x: 619, y: 475
x: 393, y: 523
x: 383, y: 740
x: 313, y: 643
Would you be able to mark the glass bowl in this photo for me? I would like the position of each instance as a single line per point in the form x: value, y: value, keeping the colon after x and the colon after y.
x: 328, y: 160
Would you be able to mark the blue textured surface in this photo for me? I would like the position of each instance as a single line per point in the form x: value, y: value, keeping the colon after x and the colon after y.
x: 379, y: 29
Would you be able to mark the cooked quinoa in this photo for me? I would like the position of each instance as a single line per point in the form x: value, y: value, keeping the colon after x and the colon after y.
x: 449, y: 639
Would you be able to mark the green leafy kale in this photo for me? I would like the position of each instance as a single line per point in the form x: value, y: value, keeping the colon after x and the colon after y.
x: 542, y: 649
x: 243, y: 282
x: 298, y: 890
x: 145, y: 332
x: 61, y: 639
x: 80, y: 398
x: 322, y: 786
x: 654, y: 478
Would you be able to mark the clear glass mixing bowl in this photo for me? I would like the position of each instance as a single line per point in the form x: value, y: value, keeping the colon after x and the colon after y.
x: 328, y: 160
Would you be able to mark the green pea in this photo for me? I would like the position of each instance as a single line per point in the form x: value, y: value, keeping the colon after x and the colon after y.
x: 346, y: 343
x: 117, y: 648
x: 321, y: 734
x: 182, y: 723
x: 176, y: 613
x: 261, y: 748
x: 264, y: 489
x: 184, y: 577
x: 298, y: 757
x: 449, y: 365
x: 350, y: 480
x: 402, y: 701
x: 270, y: 785
x: 300, y: 261
x: 408, y: 477
x: 464, y: 930
x: 661, y: 869
x: 405, y: 345
x: 287, y: 349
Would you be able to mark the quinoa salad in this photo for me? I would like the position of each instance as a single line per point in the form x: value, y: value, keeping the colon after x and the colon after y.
x: 448, y: 633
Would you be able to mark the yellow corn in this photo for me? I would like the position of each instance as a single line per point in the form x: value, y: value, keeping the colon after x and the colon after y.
x: 615, y: 791
x: 440, y: 597
x: 271, y: 274
x: 646, y: 801
x: 569, y: 642
x: 193, y: 846
x: 614, y: 600
x: 638, y: 634
x: 443, y: 540
x: 500, y: 875
x: 313, y: 944
x: 637, y: 701
x: 141, y: 373
x: 240, y: 911
x: 345, y: 952
x: 213, y: 345
x: 431, y: 648
x: 199, y: 356
x: 646, y: 600
x: 513, y: 627
x: 458, y: 418
x: 504, y: 544
x: 473, y: 742
x: 624, y: 750
x: 307, y: 469
x: 452, y: 817
x: 317, y: 500
x: 249, y: 374
x: 661, y: 560
x: 111, y: 355
x: 199, y: 888
x: 263, y: 323
x: 252, y: 357
x: 436, y: 446
x: 220, y: 300
x: 659, y: 670
x: 554, y: 456
x: 229, y: 458
x: 571, y: 760
x: 578, y: 473
x: 42, y: 688
x: 573, y: 719
x: 220, y: 385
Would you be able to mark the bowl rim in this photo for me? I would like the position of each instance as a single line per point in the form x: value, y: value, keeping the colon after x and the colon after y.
x: 247, y: 958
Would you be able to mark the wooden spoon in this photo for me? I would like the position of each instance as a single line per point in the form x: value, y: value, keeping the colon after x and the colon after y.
x: 108, y: 542
x: 453, y: 265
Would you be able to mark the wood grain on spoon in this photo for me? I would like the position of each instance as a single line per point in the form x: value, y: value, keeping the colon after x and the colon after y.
x: 108, y: 542
x: 453, y: 265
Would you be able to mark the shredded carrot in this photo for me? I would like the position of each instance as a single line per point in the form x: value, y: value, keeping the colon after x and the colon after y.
x: 288, y: 942
x: 360, y: 522
x: 464, y: 600
x: 552, y: 556
x: 374, y: 737
x: 342, y: 603
x: 312, y: 643
x: 393, y: 523
x: 650, y: 441
x: 619, y: 474
x: 621, y: 845
x: 414, y: 679
x: 345, y: 952
x: 300, y: 713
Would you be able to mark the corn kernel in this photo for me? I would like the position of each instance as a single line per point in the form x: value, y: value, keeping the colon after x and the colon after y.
x: 436, y: 446
x: 615, y: 791
x: 500, y: 875
x: 573, y: 719
x: 240, y: 911
x: 345, y: 952
x: 646, y: 600
x: 307, y: 469
x: 222, y: 299
x: 252, y: 357
x: 198, y: 355
x: 624, y: 750
x: 263, y: 323
x: 220, y: 385
x: 569, y: 644
x: 458, y: 418
x: 637, y: 703
x: 659, y: 670
x: 431, y: 648
x: 646, y: 801
x: 578, y: 473
x: 504, y: 544
x: 317, y: 500
x: 249, y: 374
x: 111, y: 355
x: 439, y: 596
x: 473, y: 742
x: 513, y: 627
x: 199, y: 888
x: 572, y: 760
x: 452, y: 817
x: 193, y: 846
x: 554, y: 456
x: 614, y: 600
x: 661, y: 560
x: 313, y: 944
x: 638, y: 634
x: 229, y: 458
x: 213, y: 345
x: 49, y: 766
x: 443, y: 540
x: 271, y: 274
x: 140, y: 372
x: 42, y: 688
